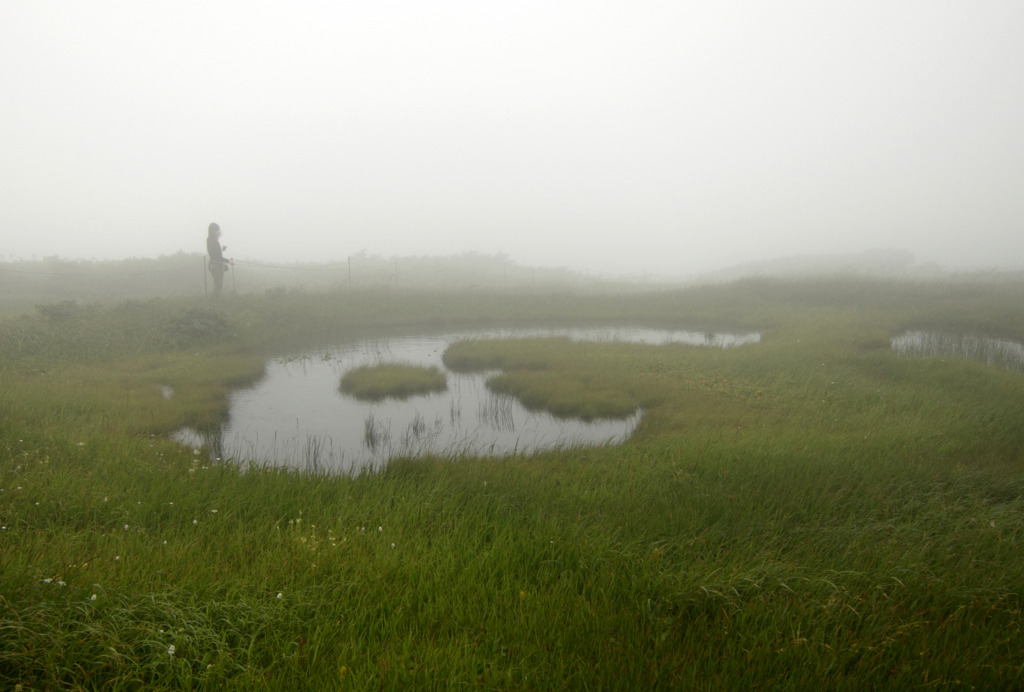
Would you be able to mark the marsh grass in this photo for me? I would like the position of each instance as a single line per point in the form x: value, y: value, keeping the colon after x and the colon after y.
x: 392, y: 380
x: 376, y: 434
x: 812, y: 511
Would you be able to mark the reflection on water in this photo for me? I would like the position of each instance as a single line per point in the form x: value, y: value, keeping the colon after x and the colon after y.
x: 1001, y: 352
x: 297, y: 416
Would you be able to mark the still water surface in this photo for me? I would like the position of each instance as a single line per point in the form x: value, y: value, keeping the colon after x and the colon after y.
x: 296, y: 415
x: 1003, y: 353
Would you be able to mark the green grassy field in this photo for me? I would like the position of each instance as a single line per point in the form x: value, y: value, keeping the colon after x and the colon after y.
x: 813, y: 511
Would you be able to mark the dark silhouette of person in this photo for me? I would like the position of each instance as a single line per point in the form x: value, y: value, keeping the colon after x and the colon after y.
x: 218, y: 265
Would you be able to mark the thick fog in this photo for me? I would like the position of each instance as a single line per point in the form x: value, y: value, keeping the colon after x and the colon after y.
x: 615, y: 137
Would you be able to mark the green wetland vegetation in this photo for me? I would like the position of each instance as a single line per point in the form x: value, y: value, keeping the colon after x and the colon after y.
x: 394, y: 380
x: 812, y: 511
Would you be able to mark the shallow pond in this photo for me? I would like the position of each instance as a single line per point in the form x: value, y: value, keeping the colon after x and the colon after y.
x: 296, y: 415
x: 1000, y: 352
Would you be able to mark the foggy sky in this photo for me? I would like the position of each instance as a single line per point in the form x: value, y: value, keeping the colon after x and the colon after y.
x: 614, y: 137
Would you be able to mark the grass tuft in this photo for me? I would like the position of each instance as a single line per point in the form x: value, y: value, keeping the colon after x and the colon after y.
x: 392, y: 380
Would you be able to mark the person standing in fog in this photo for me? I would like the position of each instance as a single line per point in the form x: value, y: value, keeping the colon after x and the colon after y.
x: 218, y: 265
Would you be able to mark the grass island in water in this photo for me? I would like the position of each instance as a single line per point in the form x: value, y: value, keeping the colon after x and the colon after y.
x: 395, y: 380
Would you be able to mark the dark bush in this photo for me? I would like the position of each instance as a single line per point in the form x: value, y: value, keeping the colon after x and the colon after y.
x: 197, y: 326
x: 61, y: 312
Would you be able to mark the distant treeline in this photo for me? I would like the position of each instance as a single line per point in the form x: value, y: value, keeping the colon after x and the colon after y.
x: 24, y: 284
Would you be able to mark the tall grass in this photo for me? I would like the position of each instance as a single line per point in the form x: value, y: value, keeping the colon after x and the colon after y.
x: 812, y: 510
